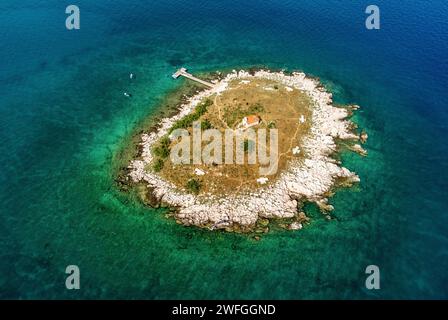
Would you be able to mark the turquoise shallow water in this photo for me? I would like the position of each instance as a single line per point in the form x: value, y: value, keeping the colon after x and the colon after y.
x: 63, y: 117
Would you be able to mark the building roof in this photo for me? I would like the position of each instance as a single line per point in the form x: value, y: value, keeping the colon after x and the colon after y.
x: 252, y: 119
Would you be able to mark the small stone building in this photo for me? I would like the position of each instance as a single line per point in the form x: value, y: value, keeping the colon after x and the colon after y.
x: 250, y: 121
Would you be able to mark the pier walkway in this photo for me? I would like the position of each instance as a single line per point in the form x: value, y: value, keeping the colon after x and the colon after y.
x: 183, y: 72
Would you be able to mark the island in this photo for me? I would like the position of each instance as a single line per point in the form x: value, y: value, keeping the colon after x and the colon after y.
x: 249, y: 147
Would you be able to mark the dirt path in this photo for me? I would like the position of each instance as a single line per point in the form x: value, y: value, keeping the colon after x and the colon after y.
x: 215, y: 103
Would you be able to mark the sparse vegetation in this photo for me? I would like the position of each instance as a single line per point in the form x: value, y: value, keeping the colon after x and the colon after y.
x: 206, y: 124
x: 256, y: 108
x: 232, y: 116
x: 194, y: 186
x: 158, y: 165
x: 162, y: 149
x: 188, y: 120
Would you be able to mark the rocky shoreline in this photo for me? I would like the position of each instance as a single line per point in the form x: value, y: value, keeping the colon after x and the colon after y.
x: 309, y: 180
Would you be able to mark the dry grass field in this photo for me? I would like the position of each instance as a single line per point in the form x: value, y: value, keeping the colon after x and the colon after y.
x: 279, y: 107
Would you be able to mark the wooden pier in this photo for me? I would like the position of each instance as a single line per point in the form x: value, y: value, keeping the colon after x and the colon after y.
x: 183, y: 72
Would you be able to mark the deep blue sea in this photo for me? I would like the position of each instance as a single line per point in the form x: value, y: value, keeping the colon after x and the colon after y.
x: 63, y: 119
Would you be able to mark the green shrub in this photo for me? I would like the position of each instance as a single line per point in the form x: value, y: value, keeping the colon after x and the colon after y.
x: 206, y: 124
x: 161, y: 152
x: 193, y: 186
x: 165, y: 141
x: 202, y: 107
x: 162, y: 149
x: 158, y: 165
